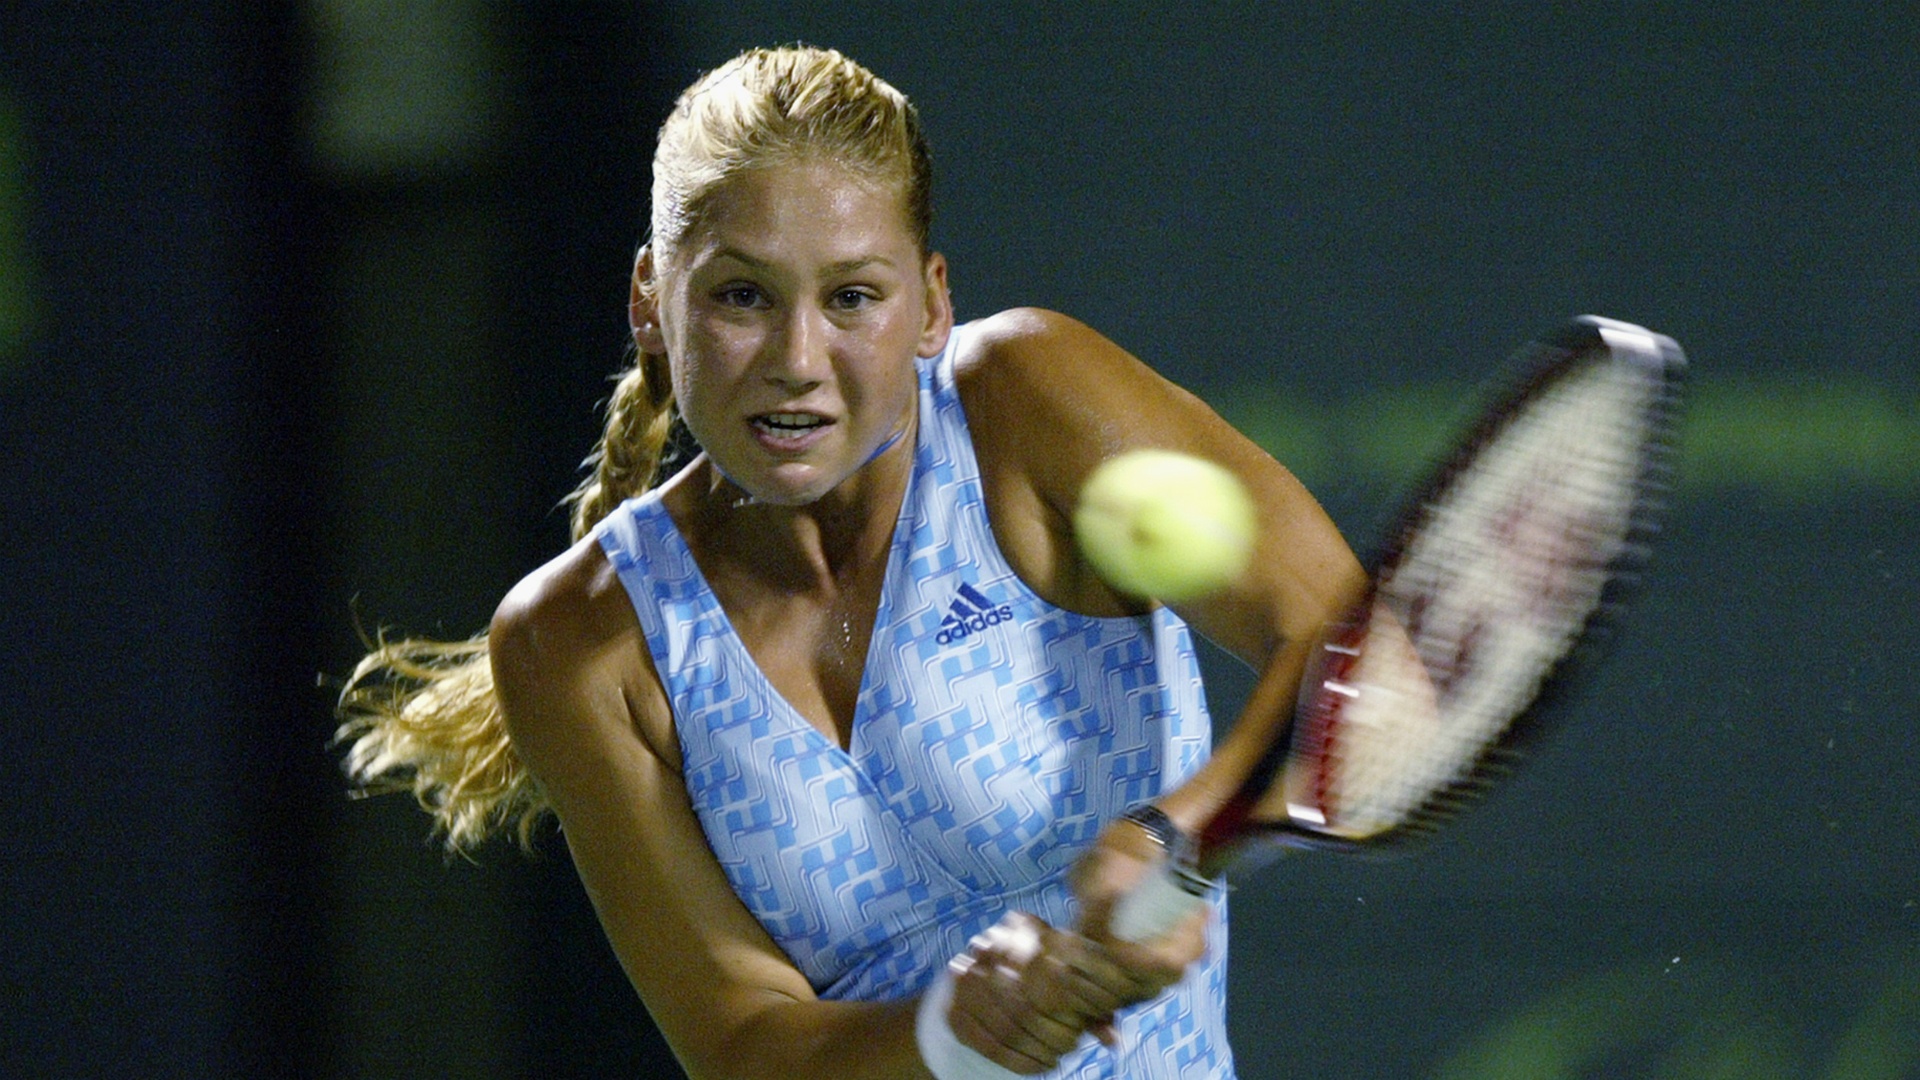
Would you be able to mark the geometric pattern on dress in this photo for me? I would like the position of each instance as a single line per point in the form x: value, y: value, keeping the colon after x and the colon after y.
x: 994, y: 736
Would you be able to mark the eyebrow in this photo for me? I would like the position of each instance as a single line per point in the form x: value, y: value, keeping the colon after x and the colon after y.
x: 845, y: 266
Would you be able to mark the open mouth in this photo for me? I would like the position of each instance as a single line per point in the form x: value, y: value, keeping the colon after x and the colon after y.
x: 789, y: 425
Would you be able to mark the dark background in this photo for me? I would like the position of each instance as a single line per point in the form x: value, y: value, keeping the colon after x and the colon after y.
x: 305, y: 311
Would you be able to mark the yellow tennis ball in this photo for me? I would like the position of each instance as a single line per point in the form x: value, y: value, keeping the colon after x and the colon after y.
x: 1165, y: 525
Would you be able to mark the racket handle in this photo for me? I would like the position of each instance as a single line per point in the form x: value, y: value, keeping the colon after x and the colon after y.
x: 1159, y: 902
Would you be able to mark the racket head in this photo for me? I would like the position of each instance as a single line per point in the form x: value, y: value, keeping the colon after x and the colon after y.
x: 1504, y: 572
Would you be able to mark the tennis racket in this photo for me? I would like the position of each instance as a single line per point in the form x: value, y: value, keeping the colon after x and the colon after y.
x: 1500, y: 574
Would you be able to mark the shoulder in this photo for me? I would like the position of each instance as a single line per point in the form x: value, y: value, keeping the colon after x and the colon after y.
x: 1033, y: 349
x: 567, y: 650
x: 558, y: 606
x: 1047, y: 399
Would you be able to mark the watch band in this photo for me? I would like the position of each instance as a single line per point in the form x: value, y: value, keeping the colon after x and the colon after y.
x: 1159, y: 826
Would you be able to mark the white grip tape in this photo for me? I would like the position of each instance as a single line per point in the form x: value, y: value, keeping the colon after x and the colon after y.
x: 1157, y: 904
x: 946, y: 1056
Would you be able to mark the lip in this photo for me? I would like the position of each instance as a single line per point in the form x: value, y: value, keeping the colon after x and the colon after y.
x: 791, y: 441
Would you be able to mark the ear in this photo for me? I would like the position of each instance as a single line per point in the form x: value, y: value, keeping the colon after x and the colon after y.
x: 933, y: 337
x: 643, y: 305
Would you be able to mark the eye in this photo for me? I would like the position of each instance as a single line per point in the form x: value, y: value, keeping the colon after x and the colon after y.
x: 852, y: 299
x: 740, y: 295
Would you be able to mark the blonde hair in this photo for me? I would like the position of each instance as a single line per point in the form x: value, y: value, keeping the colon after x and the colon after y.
x: 422, y: 716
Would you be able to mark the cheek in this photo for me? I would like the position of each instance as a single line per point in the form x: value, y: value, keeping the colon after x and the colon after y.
x: 704, y: 357
x: 707, y: 385
x: 684, y: 393
x: 691, y: 394
x: 890, y: 390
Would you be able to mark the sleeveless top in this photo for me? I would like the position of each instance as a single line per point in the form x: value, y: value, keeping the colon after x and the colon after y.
x: 994, y: 736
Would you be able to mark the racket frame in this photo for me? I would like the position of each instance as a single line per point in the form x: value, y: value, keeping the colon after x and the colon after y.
x: 1233, y: 835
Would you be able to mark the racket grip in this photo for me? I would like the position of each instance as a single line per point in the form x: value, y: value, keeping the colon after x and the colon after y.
x: 1159, y: 902
x: 948, y: 1058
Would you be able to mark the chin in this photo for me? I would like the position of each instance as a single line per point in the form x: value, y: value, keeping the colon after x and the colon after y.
x: 793, y: 491
x: 783, y: 497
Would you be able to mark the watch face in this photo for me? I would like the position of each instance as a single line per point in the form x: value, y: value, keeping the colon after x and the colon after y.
x: 1157, y: 824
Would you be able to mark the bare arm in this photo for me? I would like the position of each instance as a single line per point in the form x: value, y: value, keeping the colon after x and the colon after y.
x: 587, y: 715
x: 1049, y: 399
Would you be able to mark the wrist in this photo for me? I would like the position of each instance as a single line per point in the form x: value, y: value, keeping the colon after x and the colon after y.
x: 1160, y: 829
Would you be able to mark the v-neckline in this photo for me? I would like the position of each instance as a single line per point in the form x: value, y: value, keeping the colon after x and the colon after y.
x: 896, y: 553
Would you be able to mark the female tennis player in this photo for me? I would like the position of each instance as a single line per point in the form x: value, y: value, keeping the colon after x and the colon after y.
x: 838, y: 709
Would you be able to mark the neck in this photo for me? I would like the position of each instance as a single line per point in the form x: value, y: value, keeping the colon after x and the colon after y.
x: 817, y: 545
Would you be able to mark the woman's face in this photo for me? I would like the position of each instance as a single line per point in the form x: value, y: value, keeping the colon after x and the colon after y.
x: 791, y: 315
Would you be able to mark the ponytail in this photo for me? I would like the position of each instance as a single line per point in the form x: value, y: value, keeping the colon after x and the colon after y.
x: 639, y: 419
x: 422, y: 716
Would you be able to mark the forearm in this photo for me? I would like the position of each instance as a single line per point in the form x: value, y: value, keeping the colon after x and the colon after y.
x: 802, y: 1040
x: 1267, y: 711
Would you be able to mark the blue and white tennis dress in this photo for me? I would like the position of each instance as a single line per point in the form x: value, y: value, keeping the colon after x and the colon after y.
x: 994, y: 736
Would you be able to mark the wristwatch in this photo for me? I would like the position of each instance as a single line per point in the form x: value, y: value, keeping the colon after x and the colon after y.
x: 1172, y: 838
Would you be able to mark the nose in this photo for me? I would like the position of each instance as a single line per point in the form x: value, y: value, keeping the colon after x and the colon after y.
x: 800, y: 357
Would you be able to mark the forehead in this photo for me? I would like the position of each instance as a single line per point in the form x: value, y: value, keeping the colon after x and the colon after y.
x: 801, y: 210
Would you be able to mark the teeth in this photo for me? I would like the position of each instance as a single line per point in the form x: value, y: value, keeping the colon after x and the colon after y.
x: 791, y: 420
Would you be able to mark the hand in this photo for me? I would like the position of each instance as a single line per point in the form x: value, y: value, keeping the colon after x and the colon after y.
x: 1123, y: 857
x: 1025, y: 993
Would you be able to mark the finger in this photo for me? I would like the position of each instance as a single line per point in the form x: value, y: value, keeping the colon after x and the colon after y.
x: 1058, y: 985
x: 1108, y: 975
x: 991, y: 1007
x: 1018, y: 1050
x: 1034, y: 1025
x: 1033, y: 952
x: 1016, y: 936
x: 971, y: 1033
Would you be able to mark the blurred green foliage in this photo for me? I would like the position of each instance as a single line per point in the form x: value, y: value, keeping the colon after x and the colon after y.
x: 1681, y: 1020
x: 1675, y: 1021
x: 1794, y: 438
x: 403, y: 87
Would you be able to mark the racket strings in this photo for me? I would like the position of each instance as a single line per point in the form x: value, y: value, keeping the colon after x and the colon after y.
x: 1509, y: 561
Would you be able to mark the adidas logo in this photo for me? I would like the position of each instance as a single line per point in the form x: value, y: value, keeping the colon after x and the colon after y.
x: 969, y: 614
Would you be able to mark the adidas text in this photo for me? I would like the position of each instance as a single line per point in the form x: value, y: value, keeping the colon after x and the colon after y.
x: 954, y: 628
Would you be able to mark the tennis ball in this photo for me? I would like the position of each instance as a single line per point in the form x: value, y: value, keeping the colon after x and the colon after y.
x: 1165, y: 525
